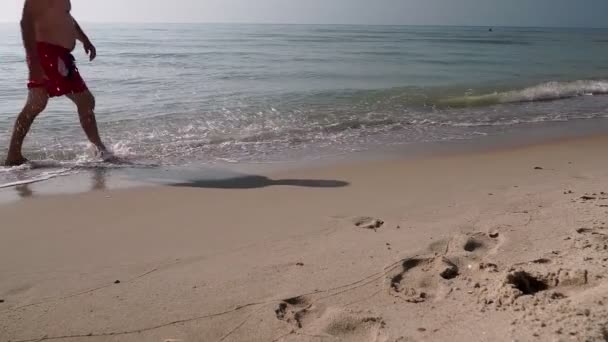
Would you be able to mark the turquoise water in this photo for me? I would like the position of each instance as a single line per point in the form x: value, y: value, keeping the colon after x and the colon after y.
x: 177, y: 94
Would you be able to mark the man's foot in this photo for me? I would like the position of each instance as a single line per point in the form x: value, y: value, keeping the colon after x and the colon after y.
x: 15, y: 161
x: 107, y: 156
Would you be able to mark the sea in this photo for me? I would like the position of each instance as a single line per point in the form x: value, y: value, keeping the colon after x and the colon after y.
x: 172, y: 95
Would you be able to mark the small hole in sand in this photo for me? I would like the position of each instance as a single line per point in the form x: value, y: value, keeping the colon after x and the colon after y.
x: 411, y: 263
x: 295, y: 301
x: 396, y: 282
x: 472, y: 245
x: 526, y: 283
x: 281, y: 311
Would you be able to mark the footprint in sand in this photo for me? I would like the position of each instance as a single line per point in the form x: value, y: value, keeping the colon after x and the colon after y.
x: 293, y: 310
x: 591, y: 238
x: 541, y: 280
x: 536, y: 284
x: 468, y: 249
x: 342, y: 325
x: 334, y: 324
x: 365, y: 222
x: 474, y: 246
x: 471, y: 246
x: 419, y: 279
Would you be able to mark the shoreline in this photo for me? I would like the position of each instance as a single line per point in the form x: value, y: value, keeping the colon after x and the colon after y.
x: 385, y: 250
x: 82, y: 180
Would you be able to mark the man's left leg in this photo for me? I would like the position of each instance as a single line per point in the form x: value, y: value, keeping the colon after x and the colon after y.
x: 85, y: 102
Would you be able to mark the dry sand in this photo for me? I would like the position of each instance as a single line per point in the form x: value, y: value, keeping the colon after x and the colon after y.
x: 504, y: 246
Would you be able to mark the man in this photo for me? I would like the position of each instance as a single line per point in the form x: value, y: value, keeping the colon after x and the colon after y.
x: 49, y: 36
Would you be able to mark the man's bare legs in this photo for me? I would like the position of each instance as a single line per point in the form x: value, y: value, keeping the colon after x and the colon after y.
x: 36, y: 103
x: 85, y: 102
x: 37, y: 100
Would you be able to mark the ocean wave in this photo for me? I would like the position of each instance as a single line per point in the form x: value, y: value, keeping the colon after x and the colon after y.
x: 549, y: 91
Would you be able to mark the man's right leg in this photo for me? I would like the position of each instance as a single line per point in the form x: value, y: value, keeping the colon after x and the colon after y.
x: 85, y: 103
x: 36, y: 102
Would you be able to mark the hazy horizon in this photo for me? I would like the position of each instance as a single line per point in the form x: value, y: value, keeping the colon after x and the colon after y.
x: 495, y: 13
x: 309, y: 24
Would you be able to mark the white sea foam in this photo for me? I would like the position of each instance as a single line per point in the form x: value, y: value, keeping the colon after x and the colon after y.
x: 542, y: 92
x: 44, y: 176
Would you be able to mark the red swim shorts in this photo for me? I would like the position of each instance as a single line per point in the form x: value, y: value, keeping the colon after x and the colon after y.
x: 59, y: 65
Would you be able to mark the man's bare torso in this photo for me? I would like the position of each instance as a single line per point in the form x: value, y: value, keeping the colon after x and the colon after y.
x: 54, y: 23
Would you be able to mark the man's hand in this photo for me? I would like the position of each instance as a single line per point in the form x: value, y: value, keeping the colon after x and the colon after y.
x: 90, y: 50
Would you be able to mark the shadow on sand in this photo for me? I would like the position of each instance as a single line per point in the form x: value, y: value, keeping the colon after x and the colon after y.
x: 254, y: 182
x: 202, y: 178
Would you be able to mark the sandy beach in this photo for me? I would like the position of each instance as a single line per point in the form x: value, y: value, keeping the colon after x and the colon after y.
x: 507, y: 245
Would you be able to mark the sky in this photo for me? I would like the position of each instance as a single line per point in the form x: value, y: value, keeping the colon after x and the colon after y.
x: 562, y: 13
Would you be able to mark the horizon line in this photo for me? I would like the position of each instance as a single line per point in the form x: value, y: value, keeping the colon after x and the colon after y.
x: 319, y: 24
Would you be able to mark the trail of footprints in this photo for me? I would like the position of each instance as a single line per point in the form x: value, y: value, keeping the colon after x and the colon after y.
x: 433, y: 278
x: 415, y: 280
x: 464, y: 260
x: 420, y: 279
